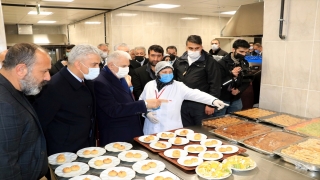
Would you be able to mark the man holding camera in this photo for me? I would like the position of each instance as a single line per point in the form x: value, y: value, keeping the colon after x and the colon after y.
x: 234, y: 77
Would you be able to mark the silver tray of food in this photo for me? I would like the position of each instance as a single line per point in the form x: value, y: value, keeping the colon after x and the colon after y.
x: 240, y: 131
x: 282, y: 119
x: 303, y: 154
x: 309, y: 128
x: 254, y: 113
x: 221, y: 121
x: 267, y: 143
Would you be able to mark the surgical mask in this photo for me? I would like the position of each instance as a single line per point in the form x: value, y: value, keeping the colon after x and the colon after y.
x: 251, y: 47
x: 165, y: 78
x: 92, y: 74
x: 139, y: 58
x: 257, y: 51
x: 214, y: 47
x: 172, y: 57
x: 123, y: 71
x: 194, y: 55
x: 67, y: 54
x: 238, y: 56
x: 104, y: 55
x: 131, y: 88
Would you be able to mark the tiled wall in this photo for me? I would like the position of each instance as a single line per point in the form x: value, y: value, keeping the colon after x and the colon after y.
x: 3, y: 43
x: 291, y: 67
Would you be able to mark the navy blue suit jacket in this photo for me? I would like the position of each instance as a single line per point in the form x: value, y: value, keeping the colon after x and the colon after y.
x: 118, y: 114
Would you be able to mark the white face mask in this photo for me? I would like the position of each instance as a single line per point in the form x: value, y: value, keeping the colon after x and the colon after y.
x: 214, y: 47
x: 92, y: 74
x: 194, y: 55
x: 122, y: 72
x: 251, y: 47
x: 105, y: 54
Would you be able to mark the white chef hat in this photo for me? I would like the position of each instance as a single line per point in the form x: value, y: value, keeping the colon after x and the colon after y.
x: 162, y: 65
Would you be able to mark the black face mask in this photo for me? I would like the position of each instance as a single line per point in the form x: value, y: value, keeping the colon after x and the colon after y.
x: 139, y: 58
x: 172, y: 57
x: 238, y: 56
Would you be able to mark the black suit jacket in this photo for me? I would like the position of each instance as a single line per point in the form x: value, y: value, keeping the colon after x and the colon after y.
x: 133, y: 65
x: 139, y: 79
x: 22, y: 143
x: 56, y: 67
x: 66, y: 111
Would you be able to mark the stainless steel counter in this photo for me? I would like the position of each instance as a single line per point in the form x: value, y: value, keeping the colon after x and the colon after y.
x: 268, y: 167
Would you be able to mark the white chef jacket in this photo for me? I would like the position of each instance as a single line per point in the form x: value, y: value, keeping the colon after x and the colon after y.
x: 169, y: 113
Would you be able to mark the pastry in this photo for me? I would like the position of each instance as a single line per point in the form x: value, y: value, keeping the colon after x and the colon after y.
x: 122, y: 174
x: 86, y: 152
x: 197, y: 136
x: 187, y: 162
x: 184, y: 132
x: 113, y: 173
x: 145, y: 167
x: 152, y: 164
x: 170, y: 135
x: 229, y: 149
x: 199, y: 148
x: 137, y: 155
x: 194, y: 160
x: 116, y: 145
x: 61, y: 159
x: 223, y: 121
x: 86, y: 179
x: 61, y: 156
x: 207, y: 155
x: 94, y: 152
x: 160, y: 145
x: 98, y: 162
x: 129, y: 155
x: 121, y: 147
x: 164, y: 135
x: 66, y: 170
x: 285, y: 120
x: 148, y: 138
x: 210, y: 143
x: 75, y: 167
x: 191, y: 149
x: 214, y: 155
x: 176, y: 153
x: 159, y: 178
x: 222, y: 149
x: 255, y: 113
x: 168, y: 178
x: 178, y: 140
x: 107, y: 161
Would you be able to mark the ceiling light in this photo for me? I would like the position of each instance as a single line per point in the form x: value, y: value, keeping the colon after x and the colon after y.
x: 229, y: 12
x: 164, y: 6
x: 59, y: 0
x: 126, y: 14
x: 92, y: 22
x: 41, y: 13
x: 48, y: 22
x: 189, y: 18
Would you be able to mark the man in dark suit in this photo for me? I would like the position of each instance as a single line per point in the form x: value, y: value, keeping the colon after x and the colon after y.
x: 22, y: 143
x: 133, y: 64
x: 118, y: 114
x: 62, y: 62
x: 146, y: 73
x: 66, y: 106
x: 140, y: 53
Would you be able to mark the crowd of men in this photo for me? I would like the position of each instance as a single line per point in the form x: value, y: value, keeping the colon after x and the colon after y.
x: 91, y: 96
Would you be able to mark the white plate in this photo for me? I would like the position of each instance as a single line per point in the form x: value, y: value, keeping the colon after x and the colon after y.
x: 203, y: 142
x: 241, y: 170
x: 69, y: 158
x: 137, y: 167
x: 141, y: 138
x: 201, y: 155
x: 85, y: 176
x: 115, y: 162
x: 211, y: 178
x: 168, y: 145
x: 83, y: 169
x: 123, y: 157
x: 182, y: 159
x: 169, y: 152
x: 177, y: 132
x: 183, y: 142
x: 101, y: 151
x: 190, y: 136
x: 164, y: 174
x: 130, y: 173
x: 127, y: 146
x: 186, y: 148
x: 234, y: 149
x: 159, y: 135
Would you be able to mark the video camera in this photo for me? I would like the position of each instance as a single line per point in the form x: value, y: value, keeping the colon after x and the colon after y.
x: 245, y: 74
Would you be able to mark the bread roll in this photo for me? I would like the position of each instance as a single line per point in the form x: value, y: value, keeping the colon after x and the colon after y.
x: 75, y: 168
x: 94, y: 152
x: 98, y: 162
x: 113, y: 173
x: 152, y: 164
x: 122, y: 174
x: 107, y: 161
x: 137, y: 155
x: 145, y: 167
x: 66, y: 170
x: 86, y: 152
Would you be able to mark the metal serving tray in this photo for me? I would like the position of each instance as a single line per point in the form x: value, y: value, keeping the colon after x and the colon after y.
x: 264, y: 119
x: 261, y: 150
x: 228, y: 115
x: 255, y: 119
x: 299, y: 133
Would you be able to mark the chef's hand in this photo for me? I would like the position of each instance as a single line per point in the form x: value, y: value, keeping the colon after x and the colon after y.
x: 151, y: 118
x: 209, y: 110
x: 236, y: 71
x: 155, y: 103
x: 220, y: 104
x: 235, y: 91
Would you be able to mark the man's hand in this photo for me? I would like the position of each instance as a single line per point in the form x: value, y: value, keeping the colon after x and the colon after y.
x: 155, y: 103
x: 235, y: 91
x: 209, y: 110
x: 236, y: 71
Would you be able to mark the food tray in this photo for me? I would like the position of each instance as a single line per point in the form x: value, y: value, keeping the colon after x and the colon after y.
x: 265, y: 119
x: 240, y: 139
x: 292, y: 130
x: 262, y: 150
x: 219, y: 117
x: 253, y: 118
x: 298, y: 163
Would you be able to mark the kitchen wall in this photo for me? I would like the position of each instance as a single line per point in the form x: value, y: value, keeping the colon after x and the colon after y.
x: 3, y: 43
x: 291, y: 67
x: 37, y: 29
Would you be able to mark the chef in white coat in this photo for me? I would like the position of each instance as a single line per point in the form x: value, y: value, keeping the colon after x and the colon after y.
x: 168, y: 117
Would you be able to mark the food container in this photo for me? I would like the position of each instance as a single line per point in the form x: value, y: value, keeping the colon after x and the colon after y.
x: 308, y: 128
x: 283, y: 119
x: 222, y: 121
x: 254, y: 113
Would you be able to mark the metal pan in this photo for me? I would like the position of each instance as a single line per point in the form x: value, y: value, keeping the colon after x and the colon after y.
x: 228, y: 115
x: 265, y: 119
x: 255, y: 119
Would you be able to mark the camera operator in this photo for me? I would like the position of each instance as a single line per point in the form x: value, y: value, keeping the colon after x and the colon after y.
x: 235, y: 77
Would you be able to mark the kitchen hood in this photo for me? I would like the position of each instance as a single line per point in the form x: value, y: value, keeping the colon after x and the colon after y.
x: 247, y: 21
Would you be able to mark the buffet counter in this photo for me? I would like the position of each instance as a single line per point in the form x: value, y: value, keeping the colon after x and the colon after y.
x: 268, y: 167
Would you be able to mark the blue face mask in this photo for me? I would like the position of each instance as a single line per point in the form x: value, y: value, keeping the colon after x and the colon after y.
x: 131, y: 88
x: 165, y: 78
x: 257, y: 51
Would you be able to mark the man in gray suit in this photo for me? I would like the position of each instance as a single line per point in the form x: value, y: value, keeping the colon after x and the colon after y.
x: 22, y: 143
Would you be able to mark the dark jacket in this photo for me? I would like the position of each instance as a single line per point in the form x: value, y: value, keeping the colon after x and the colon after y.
x: 66, y: 109
x: 140, y: 78
x: 118, y: 114
x: 218, y: 52
x: 22, y: 142
x: 203, y: 74
x: 56, y: 67
x: 226, y: 65
x: 133, y: 65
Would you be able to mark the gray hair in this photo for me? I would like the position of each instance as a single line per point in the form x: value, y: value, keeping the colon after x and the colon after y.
x: 102, y: 44
x: 113, y: 57
x: 81, y: 51
x: 140, y: 47
x: 115, y: 48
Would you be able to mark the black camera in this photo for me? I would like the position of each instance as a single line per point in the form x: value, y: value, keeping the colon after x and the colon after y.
x: 245, y: 74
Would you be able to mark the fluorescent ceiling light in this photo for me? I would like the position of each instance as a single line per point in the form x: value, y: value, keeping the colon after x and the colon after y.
x: 126, y: 14
x: 164, y: 6
x: 59, y: 0
x: 41, y: 13
x: 189, y: 18
x: 229, y: 12
x: 48, y: 22
x: 92, y: 22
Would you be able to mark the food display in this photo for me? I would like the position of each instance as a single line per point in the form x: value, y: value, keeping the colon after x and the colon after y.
x: 254, y: 113
x: 104, y: 162
x: 241, y: 131
x: 118, y: 146
x: 196, y: 136
x: 310, y: 128
x: 175, y: 153
x: 148, y: 166
x: 189, y: 161
x: 195, y: 148
x: 210, y: 155
x: 240, y: 163
x: 227, y: 149
x: 307, y: 151
x: 117, y: 173
x: 284, y: 120
x: 272, y: 140
x: 90, y: 152
x: 213, y: 170
x: 178, y: 141
x: 222, y: 121
x: 183, y: 132
x: 71, y: 169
